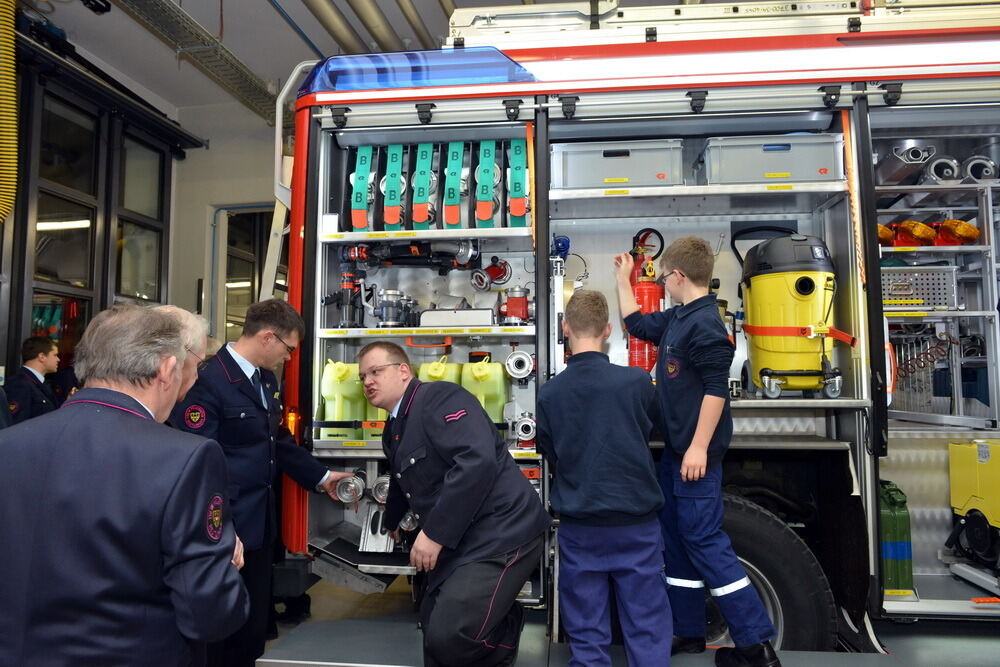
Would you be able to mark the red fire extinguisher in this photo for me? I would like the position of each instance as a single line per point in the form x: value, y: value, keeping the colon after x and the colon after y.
x: 648, y: 293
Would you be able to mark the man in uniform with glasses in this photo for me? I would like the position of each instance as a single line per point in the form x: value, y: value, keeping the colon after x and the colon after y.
x: 481, y: 522
x: 237, y: 401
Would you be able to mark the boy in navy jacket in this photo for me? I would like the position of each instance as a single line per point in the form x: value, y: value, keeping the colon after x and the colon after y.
x: 692, y: 377
x: 594, y: 420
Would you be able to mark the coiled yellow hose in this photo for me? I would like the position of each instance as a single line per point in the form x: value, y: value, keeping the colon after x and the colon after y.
x: 8, y: 111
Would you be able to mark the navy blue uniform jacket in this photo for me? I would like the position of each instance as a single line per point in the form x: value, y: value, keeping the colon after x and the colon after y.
x: 223, y: 405
x: 451, y: 467
x: 692, y: 361
x: 115, y: 540
x: 594, y: 420
x: 27, y: 397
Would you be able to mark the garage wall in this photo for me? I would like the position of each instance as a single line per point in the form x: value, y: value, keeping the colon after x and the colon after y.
x: 235, y: 169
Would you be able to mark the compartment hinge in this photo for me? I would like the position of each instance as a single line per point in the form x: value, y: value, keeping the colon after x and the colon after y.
x: 339, y: 116
x: 513, y: 108
x: 697, y: 100
x: 831, y: 96
x: 650, y: 34
x: 893, y: 91
x: 424, y: 112
x: 568, y: 105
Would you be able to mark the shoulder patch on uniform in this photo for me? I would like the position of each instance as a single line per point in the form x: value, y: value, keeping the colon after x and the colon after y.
x: 194, y: 416
x: 673, y: 368
x: 13, y: 406
x: 455, y: 416
x: 213, y: 518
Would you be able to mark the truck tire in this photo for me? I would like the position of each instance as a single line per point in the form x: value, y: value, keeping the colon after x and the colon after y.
x: 787, y: 576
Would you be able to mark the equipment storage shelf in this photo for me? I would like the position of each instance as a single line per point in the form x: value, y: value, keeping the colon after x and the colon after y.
x: 599, y: 228
x: 501, y: 233
x: 695, y: 200
x: 427, y: 331
x: 424, y: 237
x: 939, y: 296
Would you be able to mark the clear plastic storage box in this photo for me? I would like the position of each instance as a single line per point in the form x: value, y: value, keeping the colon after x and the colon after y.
x: 619, y: 164
x: 773, y: 159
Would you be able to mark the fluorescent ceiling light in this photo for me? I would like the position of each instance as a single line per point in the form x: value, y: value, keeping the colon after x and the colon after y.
x: 241, y: 283
x: 61, y: 225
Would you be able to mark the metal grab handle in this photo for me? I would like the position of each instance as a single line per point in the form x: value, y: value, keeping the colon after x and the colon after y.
x: 901, y: 288
x: 283, y: 193
x: 446, y: 343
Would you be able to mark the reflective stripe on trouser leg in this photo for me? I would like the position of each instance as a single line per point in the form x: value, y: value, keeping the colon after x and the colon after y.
x: 699, y: 511
x: 687, y: 601
x: 730, y: 588
x: 685, y: 583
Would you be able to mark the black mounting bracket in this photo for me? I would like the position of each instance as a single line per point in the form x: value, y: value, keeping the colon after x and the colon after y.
x: 893, y: 91
x: 831, y: 95
x: 697, y: 100
x: 339, y: 115
x: 424, y: 112
x: 854, y: 24
x: 568, y: 105
x: 513, y: 108
x: 650, y: 34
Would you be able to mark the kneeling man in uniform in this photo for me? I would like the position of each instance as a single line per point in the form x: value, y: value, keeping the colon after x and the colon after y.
x: 482, y: 524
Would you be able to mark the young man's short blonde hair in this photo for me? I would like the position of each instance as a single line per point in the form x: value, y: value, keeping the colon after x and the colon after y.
x: 692, y: 256
x: 587, y: 313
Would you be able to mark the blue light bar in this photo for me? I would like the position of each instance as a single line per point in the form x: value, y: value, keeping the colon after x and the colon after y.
x: 413, y: 69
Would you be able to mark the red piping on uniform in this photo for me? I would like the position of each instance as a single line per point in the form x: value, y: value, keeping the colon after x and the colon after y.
x: 410, y: 402
x: 109, y: 405
x: 226, y: 371
x: 492, y: 599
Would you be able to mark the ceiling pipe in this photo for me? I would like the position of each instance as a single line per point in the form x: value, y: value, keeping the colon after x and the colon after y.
x: 416, y: 23
x: 448, y: 7
x: 336, y: 24
x: 375, y: 23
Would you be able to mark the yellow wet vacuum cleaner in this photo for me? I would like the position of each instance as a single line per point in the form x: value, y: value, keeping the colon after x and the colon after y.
x: 789, y: 285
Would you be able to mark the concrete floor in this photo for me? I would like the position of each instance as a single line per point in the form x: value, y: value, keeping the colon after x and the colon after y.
x: 350, y: 629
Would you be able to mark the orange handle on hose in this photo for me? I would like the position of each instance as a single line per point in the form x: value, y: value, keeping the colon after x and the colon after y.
x: 446, y: 343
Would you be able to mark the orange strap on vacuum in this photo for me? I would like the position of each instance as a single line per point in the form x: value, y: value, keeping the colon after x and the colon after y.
x: 805, y: 332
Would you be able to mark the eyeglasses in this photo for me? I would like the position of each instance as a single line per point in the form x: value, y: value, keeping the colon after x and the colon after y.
x: 202, y: 361
x: 282, y: 341
x: 662, y: 280
x: 375, y: 371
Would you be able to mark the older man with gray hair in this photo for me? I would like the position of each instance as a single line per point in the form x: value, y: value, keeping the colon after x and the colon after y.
x: 115, y: 532
x: 194, y: 335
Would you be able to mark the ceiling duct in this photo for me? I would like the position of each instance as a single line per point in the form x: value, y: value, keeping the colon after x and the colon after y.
x: 448, y: 7
x: 416, y: 23
x: 335, y: 23
x: 187, y: 37
x: 375, y: 23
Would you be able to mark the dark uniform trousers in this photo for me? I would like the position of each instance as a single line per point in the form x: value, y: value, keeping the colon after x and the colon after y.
x: 451, y: 468
x: 473, y: 617
x: 226, y: 406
